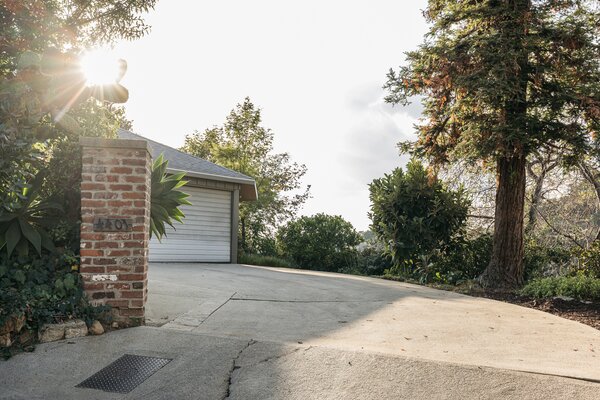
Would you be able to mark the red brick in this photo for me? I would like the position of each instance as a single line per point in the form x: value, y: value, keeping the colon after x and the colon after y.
x: 136, y: 303
x: 104, y: 261
x: 134, y: 211
x: 140, y: 170
x: 119, y: 253
x: 106, y: 245
x: 141, y: 188
x: 121, y: 187
x: 132, y: 294
x: 135, y: 195
x: 132, y: 244
x: 131, y: 277
x: 121, y: 170
x: 119, y: 286
x: 105, y: 195
x: 92, y: 236
x: 92, y: 186
x: 89, y: 286
x: 86, y: 195
x: 93, y: 203
x: 135, y: 179
x: 87, y: 252
x: 85, y: 269
x: 118, y: 303
x: 118, y: 268
x: 134, y: 162
x: 119, y: 203
x: 140, y: 268
x: 139, y: 203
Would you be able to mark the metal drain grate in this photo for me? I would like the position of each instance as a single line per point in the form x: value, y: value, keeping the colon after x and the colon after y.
x: 124, y: 374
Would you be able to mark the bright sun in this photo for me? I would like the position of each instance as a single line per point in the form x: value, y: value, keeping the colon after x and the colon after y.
x: 99, y: 67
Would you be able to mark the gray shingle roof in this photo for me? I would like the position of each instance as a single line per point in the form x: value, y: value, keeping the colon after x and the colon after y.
x: 197, y: 167
x: 179, y: 160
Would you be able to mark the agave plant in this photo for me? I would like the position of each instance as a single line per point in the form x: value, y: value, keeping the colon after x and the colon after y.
x: 165, y: 198
x: 22, y: 225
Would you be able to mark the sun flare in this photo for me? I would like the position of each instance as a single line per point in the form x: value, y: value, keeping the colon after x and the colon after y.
x: 99, y: 67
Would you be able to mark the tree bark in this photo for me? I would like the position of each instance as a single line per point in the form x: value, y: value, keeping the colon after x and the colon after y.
x: 505, y: 269
x: 243, y: 229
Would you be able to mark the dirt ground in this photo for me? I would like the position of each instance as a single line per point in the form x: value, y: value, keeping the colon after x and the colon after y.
x: 585, y: 312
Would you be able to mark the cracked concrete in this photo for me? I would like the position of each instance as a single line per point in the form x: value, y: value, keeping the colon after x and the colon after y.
x: 363, y: 314
x: 326, y: 336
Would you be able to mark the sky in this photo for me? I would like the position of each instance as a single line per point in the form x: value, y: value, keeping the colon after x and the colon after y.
x: 315, y: 68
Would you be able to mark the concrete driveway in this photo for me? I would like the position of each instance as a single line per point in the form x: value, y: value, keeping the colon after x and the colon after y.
x: 242, y: 332
x: 372, y: 315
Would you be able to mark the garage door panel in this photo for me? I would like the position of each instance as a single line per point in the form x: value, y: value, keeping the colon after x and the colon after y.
x: 205, y: 235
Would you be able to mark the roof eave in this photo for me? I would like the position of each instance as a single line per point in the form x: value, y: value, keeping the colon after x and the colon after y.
x: 247, y: 193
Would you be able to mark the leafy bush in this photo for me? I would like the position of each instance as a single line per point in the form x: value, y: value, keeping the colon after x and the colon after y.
x: 166, y: 199
x: 463, y: 259
x: 22, y: 221
x: 589, y: 259
x: 414, y: 214
x: 320, y: 242
x: 543, y: 260
x: 44, y: 288
x: 372, y: 260
x: 265, y: 261
x: 580, y: 287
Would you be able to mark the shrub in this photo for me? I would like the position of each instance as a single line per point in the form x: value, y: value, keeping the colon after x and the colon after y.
x: 265, y: 261
x: 463, y: 259
x: 372, y: 260
x: 320, y: 242
x: 589, y: 259
x: 45, y: 289
x: 415, y: 214
x: 543, y: 260
x: 580, y: 287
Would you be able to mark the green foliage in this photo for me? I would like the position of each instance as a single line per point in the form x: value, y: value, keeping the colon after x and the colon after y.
x: 22, y: 221
x: 320, y: 242
x: 503, y: 77
x: 165, y: 198
x: 265, y: 261
x: 589, y: 260
x: 414, y: 214
x: 464, y: 259
x: 45, y: 289
x: 541, y: 260
x: 244, y: 145
x: 580, y: 286
x: 373, y: 260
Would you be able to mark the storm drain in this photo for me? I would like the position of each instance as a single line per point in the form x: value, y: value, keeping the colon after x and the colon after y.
x: 124, y: 374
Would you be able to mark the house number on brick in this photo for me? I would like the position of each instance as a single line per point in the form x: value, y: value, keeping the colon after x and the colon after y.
x: 103, y: 224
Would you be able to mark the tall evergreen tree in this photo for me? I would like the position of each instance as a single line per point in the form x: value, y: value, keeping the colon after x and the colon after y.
x: 500, y: 79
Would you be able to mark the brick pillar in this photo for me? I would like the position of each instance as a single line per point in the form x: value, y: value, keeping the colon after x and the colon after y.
x: 115, y: 225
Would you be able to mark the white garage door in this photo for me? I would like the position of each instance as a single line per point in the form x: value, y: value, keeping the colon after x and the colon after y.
x: 204, y: 236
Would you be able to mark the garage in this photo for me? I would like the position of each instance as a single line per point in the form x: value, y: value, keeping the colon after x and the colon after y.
x: 209, y: 231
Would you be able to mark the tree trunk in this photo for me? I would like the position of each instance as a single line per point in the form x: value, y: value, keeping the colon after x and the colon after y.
x: 505, y: 269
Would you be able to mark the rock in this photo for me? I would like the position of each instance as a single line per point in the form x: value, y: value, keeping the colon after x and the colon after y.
x: 51, y: 333
x: 25, y: 337
x: 115, y: 325
x: 5, y: 340
x: 19, y: 323
x: 8, y: 326
x: 96, y: 328
x: 75, y: 328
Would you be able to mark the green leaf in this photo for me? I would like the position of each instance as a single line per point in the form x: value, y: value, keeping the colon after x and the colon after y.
x: 19, y: 276
x: 12, y: 237
x: 32, y: 235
